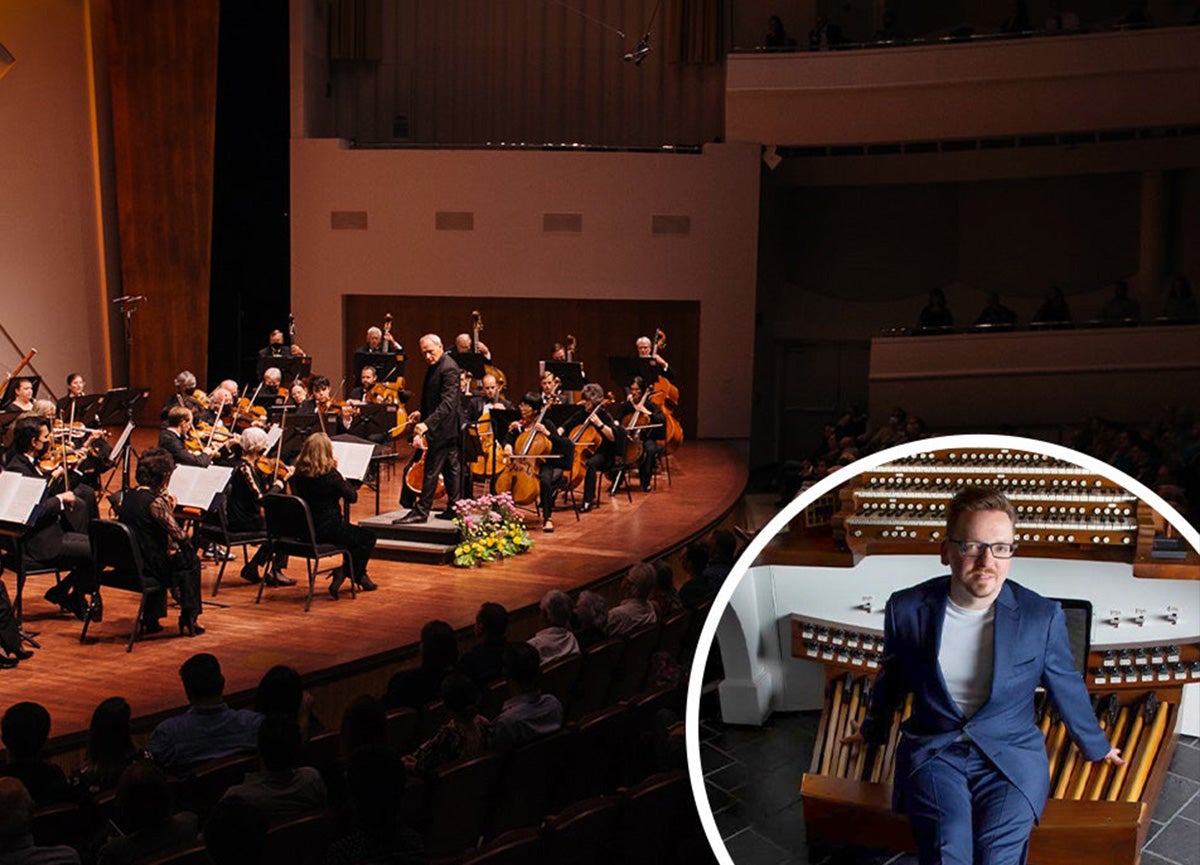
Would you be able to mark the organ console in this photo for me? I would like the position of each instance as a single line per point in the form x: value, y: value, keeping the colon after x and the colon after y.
x: 1081, y: 536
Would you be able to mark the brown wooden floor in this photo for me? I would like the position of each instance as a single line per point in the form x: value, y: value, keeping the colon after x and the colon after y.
x: 339, y: 639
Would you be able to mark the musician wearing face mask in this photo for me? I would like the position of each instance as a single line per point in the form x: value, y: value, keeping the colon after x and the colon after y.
x: 612, y: 440
x: 276, y: 348
x: 638, y: 411
x: 59, y: 531
x: 186, y: 396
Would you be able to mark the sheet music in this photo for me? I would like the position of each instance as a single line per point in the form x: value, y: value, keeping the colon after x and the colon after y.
x: 196, y: 487
x: 19, y: 497
x: 273, y: 435
x: 122, y: 441
x: 353, y: 459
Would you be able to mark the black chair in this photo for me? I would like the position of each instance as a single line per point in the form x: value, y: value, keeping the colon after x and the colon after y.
x: 559, y: 677
x: 631, y: 673
x: 531, y: 784
x: 595, y: 677
x: 674, y: 632
x: 458, y: 800
x: 518, y: 847
x: 218, y: 533
x: 303, y: 840
x: 582, y: 833
x: 117, y: 564
x: 12, y: 555
x: 290, y: 532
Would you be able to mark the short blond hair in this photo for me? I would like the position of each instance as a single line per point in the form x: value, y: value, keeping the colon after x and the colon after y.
x: 972, y: 498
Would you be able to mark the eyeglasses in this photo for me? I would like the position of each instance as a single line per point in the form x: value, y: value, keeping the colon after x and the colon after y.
x: 974, y: 549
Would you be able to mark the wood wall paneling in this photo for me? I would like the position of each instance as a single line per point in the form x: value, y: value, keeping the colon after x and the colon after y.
x: 163, y: 76
x: 522, y: 331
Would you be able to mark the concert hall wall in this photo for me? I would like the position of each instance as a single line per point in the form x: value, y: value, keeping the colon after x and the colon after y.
x: 615, y: 257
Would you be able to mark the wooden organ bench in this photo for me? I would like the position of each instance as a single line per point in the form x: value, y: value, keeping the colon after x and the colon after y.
x: 1080, y: 536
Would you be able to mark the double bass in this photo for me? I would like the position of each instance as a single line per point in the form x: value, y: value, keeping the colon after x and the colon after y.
x: 665, y: 396
x: 488, y: 369
x: 519, y: 477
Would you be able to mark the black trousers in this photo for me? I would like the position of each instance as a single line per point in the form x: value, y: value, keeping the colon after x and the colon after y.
x: 550, y: 478
x: 10, y: 635
x: 358, y: 541
x: 597, y: 462
x: 442, y: 458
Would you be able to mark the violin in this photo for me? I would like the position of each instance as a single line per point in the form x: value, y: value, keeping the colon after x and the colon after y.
x: 272, y: 466
x: 587, y: 440
x: 520, y: 476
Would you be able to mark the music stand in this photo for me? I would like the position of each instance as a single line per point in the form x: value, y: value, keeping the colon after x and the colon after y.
x: 389, y: 365
x: 558, y: 415
x: 86, y: 408
x: 472, y: 362
x: 268, y: 400
x: 11, y: 389
x: 624, y: 369
x: 290, y: 368
x: 570, y: 373
x: 121, y: 403
x: 299, y: 430
x: 375, y: 419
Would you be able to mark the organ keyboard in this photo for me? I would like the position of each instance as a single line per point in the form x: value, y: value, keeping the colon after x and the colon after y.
x: 1080, y: 536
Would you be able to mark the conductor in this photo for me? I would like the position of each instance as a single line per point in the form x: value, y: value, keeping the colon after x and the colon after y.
x: 439, y: 422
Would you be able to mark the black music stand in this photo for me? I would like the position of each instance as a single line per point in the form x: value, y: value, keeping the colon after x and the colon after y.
x: 558, y: 415
x: 11, y: 389
x: 568, y: 372
x: 121, y: 404
x: 297, y: 431
x: 268, y: 400
x: 389, y: 365
x: 472, y: 362
x: 290, y: 368
x: 375, y: 419
x: 624, y: 369
x: 86, y: 408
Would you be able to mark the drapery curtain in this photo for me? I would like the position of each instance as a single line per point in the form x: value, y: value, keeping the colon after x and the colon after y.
x: 695, y: 31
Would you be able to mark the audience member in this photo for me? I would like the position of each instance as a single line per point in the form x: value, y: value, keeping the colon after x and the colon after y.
x: 209, y: 728
x: 16, y: 831
x: 1181, y: 303
x: 995, y: 313
x: 281, y: 692
x: 148, y: 829
x: 236, y: 832
x: 484, y: 661
x: 376, y: 779
x: 722, y: 554
x: 664, y: 598
x: 1054, y: 310
x: 110, y: 748
x: 891, y: 433
x: 467, y: 734
x: 1017, y: 20
x: 283, y: 788
x: 364, y: 724
x: 439, y: 656
x: 555, y: 640
x: 936, y: 315
x: 824, y: 34
x: 777, y: 38
x: 1120, y: 308
x: 696, y: 590
x: 24, y: 730
x: 634, y: 611
x: 528, y: 713
x: 590, y: 619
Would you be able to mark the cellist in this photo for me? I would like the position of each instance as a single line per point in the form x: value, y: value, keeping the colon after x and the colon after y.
x: 549, y: 471
x: 638, y: 411
x: 611, y: 439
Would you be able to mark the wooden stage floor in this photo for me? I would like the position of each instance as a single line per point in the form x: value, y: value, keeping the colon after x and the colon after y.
x: 374, y: 631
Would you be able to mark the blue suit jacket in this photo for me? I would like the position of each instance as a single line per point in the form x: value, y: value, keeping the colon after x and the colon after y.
x: 1031, y: 648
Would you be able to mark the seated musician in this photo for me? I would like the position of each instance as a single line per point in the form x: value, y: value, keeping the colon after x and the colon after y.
x: 550, y: 472
x: 367, y: 379
x: 168, y: 557
x: 297, y: 394
x: 271, y: 388
x: 180, y: 440
x: 58, y: 534
x: 645, y: 348
x: 186, y: 396
x: 76, y: 386
x: 91, y: 446
x: 462, y: 345
x: 612, y: 440
x: 243, y: 505
x: 276, y: 348
x: 971, y: 765
x: 379, y: 342
x: 550, y: 385
x: 321, y: 485
x: 22, y: 396
x: 320, y: 402
x: 487, y: 399
x: 635, y: 411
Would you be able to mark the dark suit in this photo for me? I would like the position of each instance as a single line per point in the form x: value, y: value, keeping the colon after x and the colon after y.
x: 170, y: 441
x: 1030, y: 649
x: 442, y: 414
x: 47, y: 541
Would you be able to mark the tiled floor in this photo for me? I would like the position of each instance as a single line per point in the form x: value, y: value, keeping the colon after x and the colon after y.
x: 753, y: 779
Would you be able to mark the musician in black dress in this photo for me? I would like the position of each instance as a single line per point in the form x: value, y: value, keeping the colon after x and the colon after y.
x: 440, y: 422
x: 612, y: 439
x: 96, y: 452
x: 550, y: 472
x: 243, y: 505
x: 321, y: 485
x: 168, y: 557
x: 651, y: 439
x: 58, y: 533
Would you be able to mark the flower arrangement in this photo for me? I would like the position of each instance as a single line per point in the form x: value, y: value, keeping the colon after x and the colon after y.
x: 490, y: 527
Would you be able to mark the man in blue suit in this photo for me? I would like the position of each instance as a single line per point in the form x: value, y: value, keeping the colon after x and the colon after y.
x: 971, y: 766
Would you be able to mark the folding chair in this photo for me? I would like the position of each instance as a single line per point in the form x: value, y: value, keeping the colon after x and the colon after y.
x: 290, y: 532
x: 117, y: 563
x: 218, y: 533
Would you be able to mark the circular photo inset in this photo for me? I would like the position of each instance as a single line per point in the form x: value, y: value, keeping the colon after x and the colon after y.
x: 977, y: 647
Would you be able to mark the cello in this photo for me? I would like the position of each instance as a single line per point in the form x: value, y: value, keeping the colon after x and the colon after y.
x: 586, y: 439
x: 519, y: 477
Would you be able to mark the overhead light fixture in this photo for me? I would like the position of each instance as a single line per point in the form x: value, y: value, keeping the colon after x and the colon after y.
x: 771, y: 157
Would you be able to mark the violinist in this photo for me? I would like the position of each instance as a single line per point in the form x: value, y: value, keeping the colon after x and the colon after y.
x: 298, y: 395
x: 379, y: 342
x: 243, y: 506
x: 186, y: 396
x: 58, y: 535
x: 637, y: 411
x: 321, y: 402
x: 439, y: 422
x: 611, y: 445
x: 90, y: 445
x: 645, y: 348
x: 550, y: 471
x: 22, y: 396
x: 321, y: 485
x: 367, y: 379
x: 178, y: 433
x: 276, y: 348
x: 76, y: 386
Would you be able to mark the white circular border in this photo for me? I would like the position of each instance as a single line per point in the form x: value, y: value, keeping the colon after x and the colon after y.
x: 827, y: 484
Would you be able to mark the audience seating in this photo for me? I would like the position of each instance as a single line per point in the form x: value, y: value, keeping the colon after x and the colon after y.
x: 635, y: 662
x: 559, y: 677
x: 518, y: 847
x: 290, y: 531
x: 457, y: 803
x: 432, y: 716
x: 674, y: 631
x: 493, y: 700
x: 302, y: 841
x: 599, y: 751
x: 531, y: 784
x: 58, y: 824
x: 582, y: 833
x: 192, y: 856
x: 595, y: 677
x: 204, y: 784
x: 402, y: 729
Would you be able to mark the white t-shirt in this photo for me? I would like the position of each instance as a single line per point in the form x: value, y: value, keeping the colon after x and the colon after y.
x: 966, y: 655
